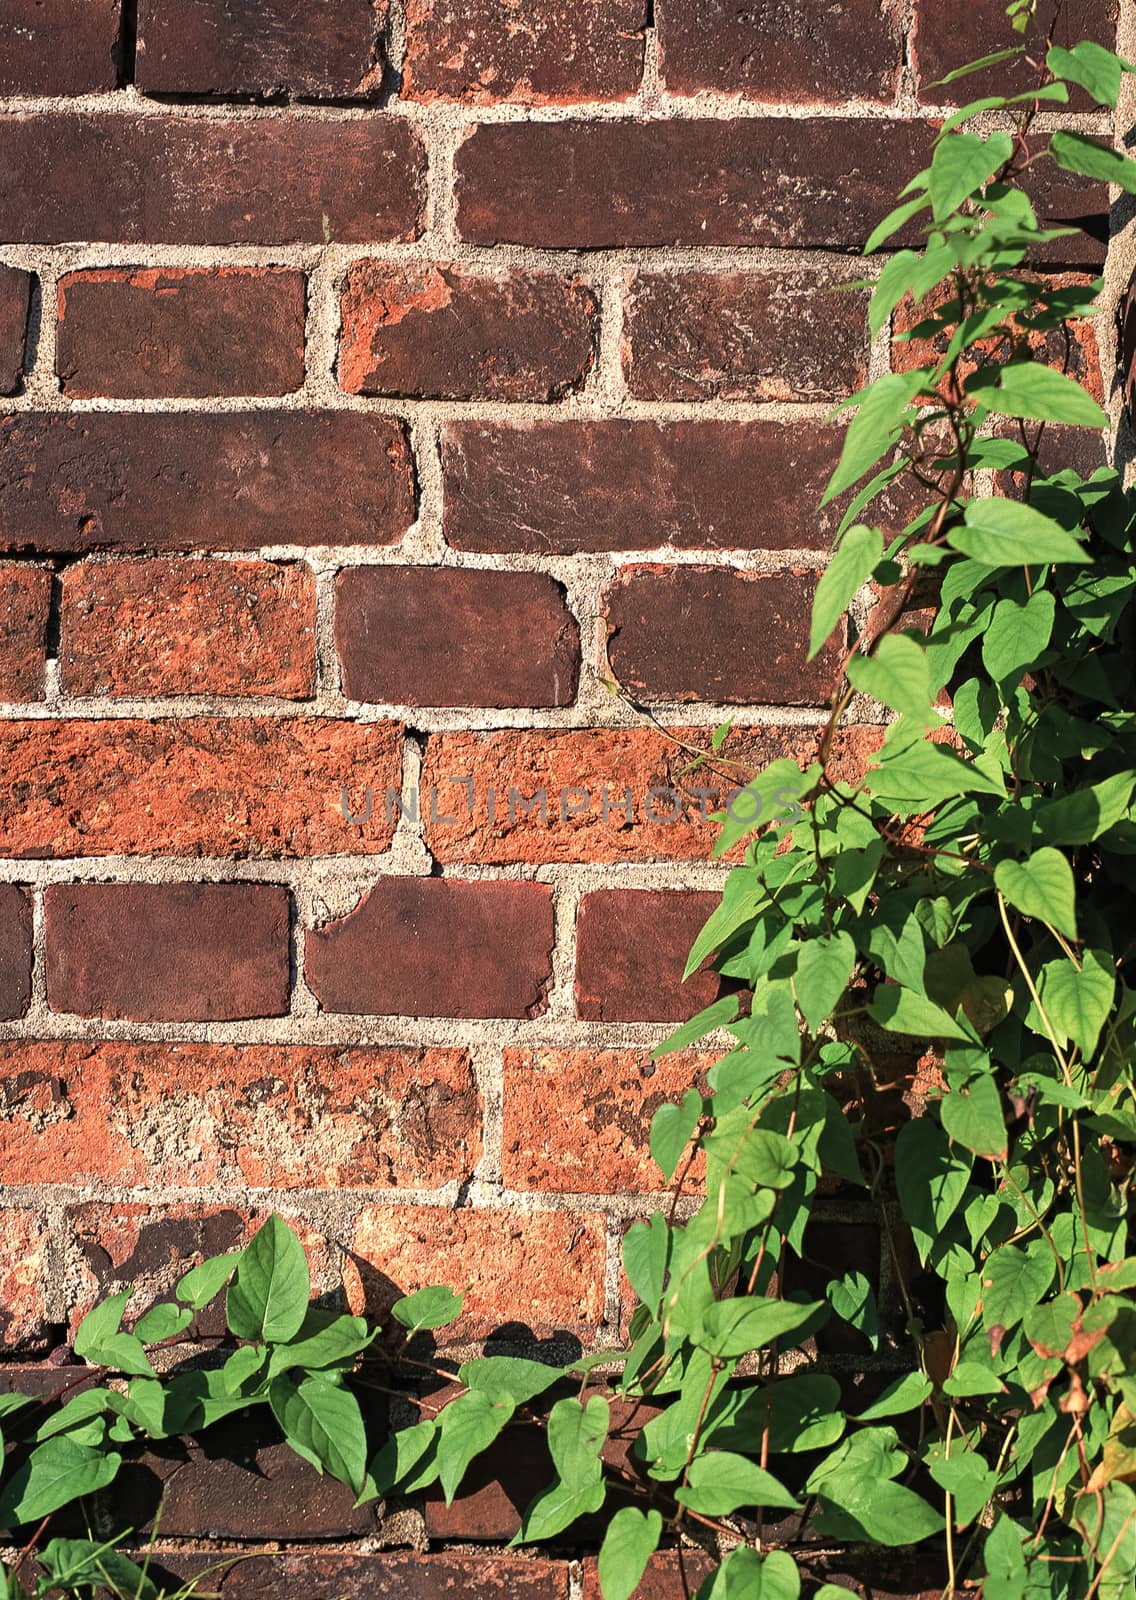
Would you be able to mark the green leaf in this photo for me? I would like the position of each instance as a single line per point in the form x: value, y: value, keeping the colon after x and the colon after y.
x: 824, y: 967
x: 908, y: 1393
x: 1041, y: 887
x: 399, y: 1456
x: 268, y: 1297
x: 1076, y: 153
x: 857, y: 557
x: 894, y: 221
x: 961, y: 165
x: 1078, y: 1003
x: 98, y: 1340
x: 745, y: 1575
x: 646, y: 1252
x: 852, y: 1299
x: 203, y: 1282
x: 1005, y: 1560
x: 735, y: 1327
x: 512, y: 1377
x: 1085, y: 814
x: 719, y: 1482
x: 979, y: 65
x: 558, y: 1508
x: 931, y: 1180
x: 82, y: 1563
x: 163, y: 1321
x: 1013, y: 1281
x: 1019, y: 632
x: 1005, y: 533
x: 57, y: 1472
x: 1034, y: 392
x: 916, y: 777
x: 971, y: 1378
x: 973, y: 1117
x: 433, y: 1307
x: 763, y: 800
x: 897, y: 675
x: 967, y: 1479
x: 712, y: 1017
x: 874, y: 429
x: 322, y: 1422
x: 466, y: 1427
x: 672, y: 1128
x: 324, y: 1339
x: 1092, y: 66
x: 631, y: 1540
x: 899, y: 1010
x: 576, y: 1434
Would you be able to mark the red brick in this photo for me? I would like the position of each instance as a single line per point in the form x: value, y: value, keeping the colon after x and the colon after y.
x: 666, y: 818
x: 543, y: 1269
x: 169, y: 952
x: 15, y: 300
x: 436, y: 947
x: 579, y: 1121
x: 532, y: 53
x: 24, y: 1322
x: 225, y: 786
x: 436, y: 330
x: 154, y: 332
x: 96, y: 481
x: 805, y: 52
x: 311, y: 48
x: 15, y: 950
x: 743, y: 336
x: 708, y: 633
x: 250, y: 1116
x: 631, y: 950
x: 754, y: 181
x: 25, y: 597
x: 449, y: 636
x: 390, y: 1576
x: 58, y: 46
x: 193, y: 180
x: 561, y: 488
x: 171, y: 627
x: 670, y: 1575
x: 492, y: 1497
x: 951, y: 33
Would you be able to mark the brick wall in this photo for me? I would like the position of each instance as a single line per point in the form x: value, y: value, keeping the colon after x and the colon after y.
x: 383, y: 381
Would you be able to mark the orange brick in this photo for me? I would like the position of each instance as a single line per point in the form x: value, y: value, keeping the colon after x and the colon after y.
x: 263, y: 1116
x: 23, y: 1278
x: 227, y: 786
x: 580, y: 1120
x: 544, y: 1269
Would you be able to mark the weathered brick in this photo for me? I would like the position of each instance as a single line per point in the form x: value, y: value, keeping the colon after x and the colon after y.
x: 436, y: 947
x: 207, y: 481
x: 15, y: 299
x: 579, y: 1121
x: 951, y: 33
x: 743, y: 336
x: 403, y: 1248
x: 531, y: 53
x: 154, y: 332
x: 804, y: 52
x: 225, y: 786
x: 609, y: 794
x: 169, y: 952
x: 449, y: 636
x: 443, y: 331
x: 311, y: 48
x: 169, y: 627
x: 341, y: 1575
x: 193, y: 180
x: 492, y: 1497
x: 58, y: 46
x: 708, y: 633
x: 670, y: 1575
x: 25, y: 597
x: 259, y: 1116
x: 754, y: 181
x: 561, y: 488
x: 631, y: 950
x: 24, y: 1321
x: 15, y: 950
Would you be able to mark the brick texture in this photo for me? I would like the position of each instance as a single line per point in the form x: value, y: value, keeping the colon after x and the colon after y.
x: 395, y: 1575
x: 949, y: 35
x: 453, y: 637
x: 435, y: 330
x: 435, y: 947
x: 59, y: 46
x: 173, y: 627
x: 87, y: 481
x: 632, y: 947
x: 317, y: 49
x: 23, y: 1275
x: 153, y: 334
x: 15, y: 293
x: 177, y: 952
x: 15, y: 950
x: 25, y: 598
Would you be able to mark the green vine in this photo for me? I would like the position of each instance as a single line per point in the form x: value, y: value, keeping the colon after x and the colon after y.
x: 974, y: 889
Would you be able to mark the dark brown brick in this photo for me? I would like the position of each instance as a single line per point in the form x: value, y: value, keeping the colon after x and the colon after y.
x: 436, y: 947
x: 804, y: 51
x: 220, y: 481
x: 25, y: 597
x: 435, y: 330
x: 312, y: 48
x: 194, y: 180
x: 445, y: 636
x: 392, y: 1576
x: 754, y: 181
x: 495, y: 1491
x: 631, y: 951
x: 566, y: 487
x: 15, y: 950
x: 951, y: 33
x: 534, y: 53
x: 743, y: 336
x: 706, y: 633
x: 171, y: 952
x: 15, y: 296
x: 156, y: 332
x: 58, y: 46
x: 669, y: 1576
